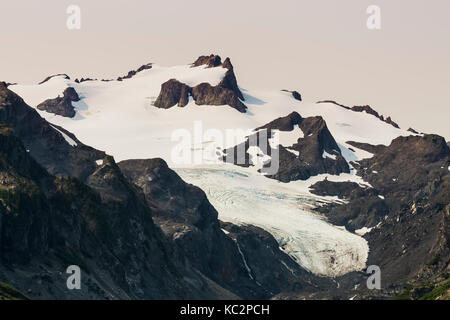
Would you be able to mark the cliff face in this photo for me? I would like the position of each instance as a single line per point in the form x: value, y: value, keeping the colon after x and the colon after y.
x: 226, y: 92
x: 406, y: 209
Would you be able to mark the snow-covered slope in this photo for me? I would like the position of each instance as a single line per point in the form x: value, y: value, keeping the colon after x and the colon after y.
x: 119, y: 118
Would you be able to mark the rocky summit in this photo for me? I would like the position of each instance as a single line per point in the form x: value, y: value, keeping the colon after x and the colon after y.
x: 226, y: 92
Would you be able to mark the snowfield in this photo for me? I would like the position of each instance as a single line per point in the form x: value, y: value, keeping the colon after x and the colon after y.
x: 119, y: 118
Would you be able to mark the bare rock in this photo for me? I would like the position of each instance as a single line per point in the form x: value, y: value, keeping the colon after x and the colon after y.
x: 173, y: 93
x: 61, y: 105
x: 368, y: 109
x: 205, y: 94
x: 295, y: 94
x: 65, y: 76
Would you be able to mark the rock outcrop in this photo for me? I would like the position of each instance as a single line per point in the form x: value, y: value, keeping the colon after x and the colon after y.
x: 46, y: 142
x: 205, y: 94
x: 367, y: 109
x: 173, y: 93
x: 295, y: 94
x: 407, y: 208
x: 61, y: 106
x: 226, y: 92
x: 132, y: 73
x: 305, y: 158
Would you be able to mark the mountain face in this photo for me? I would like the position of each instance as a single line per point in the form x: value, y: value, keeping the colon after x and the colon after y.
x: 315, y: 153
x: 135, y: 228
x: 226, y: 92
x: 351, y: 190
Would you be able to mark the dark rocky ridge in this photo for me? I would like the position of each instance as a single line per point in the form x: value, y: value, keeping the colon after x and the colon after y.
x: 205, y: 94
x: 229, y: 81
x: 45, y: 143
x: 413, y: 131
x: 295, y: 94
x: 367, y: 146
x: 310, y: 161
x: 129, y: 75
x: 226, y: 92
x: 360, y: 199
x: 61, y: 106
x: 132, y: 73
x: 49, y: 223
x: 188, y: 219
x: 366, y: 109
x: 410, y: 239
x: 84, y: 80
x: 65, y: 76
x: 414, y: 177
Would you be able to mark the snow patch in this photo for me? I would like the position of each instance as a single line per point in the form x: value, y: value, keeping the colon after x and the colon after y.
x: 289, y: 138
x: 66, y: 137
x: 244, y: 261
x: 363, y: 231
x: 327, y: 155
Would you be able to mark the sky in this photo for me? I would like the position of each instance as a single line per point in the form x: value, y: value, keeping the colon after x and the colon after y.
x: 321, y: 48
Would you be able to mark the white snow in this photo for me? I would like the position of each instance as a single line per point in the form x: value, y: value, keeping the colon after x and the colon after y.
x: 381, y: 197
x: 35, y: 94
x: 66, y: 137
x: 363, y: 231
x: 289, y: 138
x: 249, y: 271
x: 295, y: 152
x: 242, y: 196
x: 118, y: 117
x: 99, y: 162
x: 327, y: 155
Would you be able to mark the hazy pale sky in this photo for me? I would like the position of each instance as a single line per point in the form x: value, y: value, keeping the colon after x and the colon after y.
x: 321, y: 48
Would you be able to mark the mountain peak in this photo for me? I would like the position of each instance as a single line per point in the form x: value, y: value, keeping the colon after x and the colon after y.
x: 211, y: 61
x: 227, y: 92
